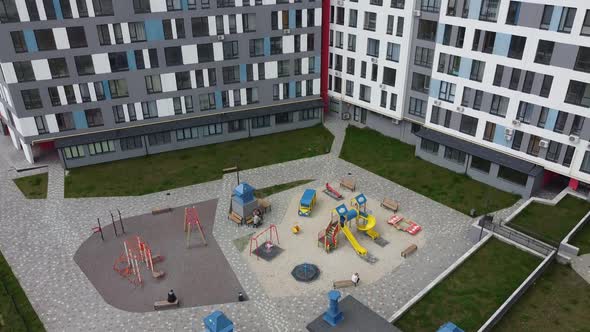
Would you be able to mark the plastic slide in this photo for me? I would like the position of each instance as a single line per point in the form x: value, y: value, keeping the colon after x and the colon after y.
x: 371, y: 222
x: 357, y: 247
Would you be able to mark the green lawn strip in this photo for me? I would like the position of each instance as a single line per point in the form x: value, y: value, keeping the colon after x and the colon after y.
x: 582, y: 240
x: 16, y: 313
x: 474, y: 291
x: 181, y: 168
x: 34, y: 186
x: 558, y: 301
x: 395, y: 160
x: 265, y: 192
x: 551, y: 223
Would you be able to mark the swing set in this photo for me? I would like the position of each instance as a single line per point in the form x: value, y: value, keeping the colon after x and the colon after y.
x: 191, y: 219
x: 269, y: 243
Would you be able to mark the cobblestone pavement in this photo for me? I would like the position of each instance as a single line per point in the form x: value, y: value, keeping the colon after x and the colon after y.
x: 39, y: 239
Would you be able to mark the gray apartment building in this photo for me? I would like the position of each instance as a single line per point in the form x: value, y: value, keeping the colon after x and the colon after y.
x: 101, y: 80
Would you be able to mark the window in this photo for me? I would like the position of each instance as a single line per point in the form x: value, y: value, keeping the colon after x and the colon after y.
x: 159, y: 138
x: 430, y: 5
x: 546, y: 18
x: 231, y: 74
x: 417, y: 107
x: 31, y: 99
x: 94, y: 117
x: 352, y: 18
x: 423, y: 57
x: 389, y: 76
x: 24, y: 71
x: 153, y: 84
x: 525, y: 112
x: 560, y: 122
x: 276, y: 45
x: 365, y: 93
x: 499, y: 105
x: 84, y: 65
x: 533, y: 147
x: 390, y: 19
x: 517, y: 140
x: 513, y: 11
x: 455, y: 155
x: 567, y: 20
x: 420, y: 82
x: 118, y: 33
x: 372, y: 47
x: 283, y: 68
x: 65, y: 121
x: 370, y: 22
x: 118, y: 61
x: 118, y: 88
x: 339, y: 15
x: 427, y: 30
x: 200, y: 26
x: 76, y: 37
x: 45, y: 40
x: 230, y: 50
x: 546, y: 86
x: 225, y: 3
x: 397, y: 4
x: 286, y: 117
x: 8, y: 11
x: 569, y: 155
x: 18, y: 41
x: 104, y: 38
x: 149, y: 109
x: 85, y: 92
x: 583, y: 59
x: 141, y: 6
x: 309, y: 114
x: 577, y: 125
x: 350, y: 66
x: 429, y: 146
x: 137, y: 32
x: 447, y: 91
x: 529, y: 77
x: 249, y: 22
x: 205, y: 52
x: 393, y: 51
x: 70, y: 95
x: 207, y: 101
x: 99, y: 90
x: 460, y: 37
x: 468, y: 125
x: 173, y: 5
x: 49, y: 9
x: 131, y: 143
x: 586, y: 24
x: 72, y: 152
x: 261, y: 122
x: 393, y: 102
x: 183, y: 80
x: 310, y: 42
x: 213, y: 129
x: 513, y: 176
x: 578, y: 93
x: 256, y: 47
x: 236, y: 125
x: 352, y: 42
x: 516, y: 48
x: 448, y: 30
x: 173, y: 56
x: 40, y: 124
x: 553, y: 151
x: 489, y: 131
x: 477, y: 70
x: 489, y: 40
x: 187, y: 133
x: 489, y: 10
x: 349, y: 88
x: 400, y: 27
x: 448, y: 117
x: 119, y: 113
x: 311, y: 17
x: 339, y: 39
x: 543, y: 117
x: 103, y: 7
x: 477, y: 100
x: 514, y: 79
x: 383, y: 102
x: 480, y: 164
x: 219, y: 24
x: 498, y: 75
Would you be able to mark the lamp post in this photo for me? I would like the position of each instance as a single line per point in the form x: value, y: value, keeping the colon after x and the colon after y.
x: 237, y: 161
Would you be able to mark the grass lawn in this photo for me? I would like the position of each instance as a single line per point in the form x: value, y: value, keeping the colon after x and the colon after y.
x: 264, y: 192
x: 474, y: 291
x: 395, y: 161
x: 16, y: 313
x: 582, y: 240
x: 551, y: 223
x: 558, y: 301
x: 181, y: 168
x: 34, y: 186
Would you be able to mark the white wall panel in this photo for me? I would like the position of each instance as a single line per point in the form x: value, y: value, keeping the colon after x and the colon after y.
x: 146, y: 58
x: 74, y: 6
x: 271, y: 70
x: 61, y: 38
x: 41, y: 10
x: 41, y: 69
x: 125, y: 31
x: 158, y: 6
x: 165, y: 107
x: 26, y: 126
x: 189, y: 54
x: 51, y: 123
x: 101, y: 63
x: 62, y: 95
x: 9, y: 73
x: 21, y: 8
x: 288, y: 44
x: 168, y: 82
x: 212, y: 26
x: 218, y: 51
x: 90, y: 8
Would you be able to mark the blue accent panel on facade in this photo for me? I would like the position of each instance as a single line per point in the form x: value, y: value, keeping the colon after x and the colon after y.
x: 80, y: 120
x: 502, y: 43
x: 31, y: 41
x: 499, y: 137
x: 266, y: 46
x: 440, y: 33
x: 243, y: 74
x: 555, y: 18
x: 154, y: 30
x: 291, y: 18
x: 551, y: 119
x: 318, y: 62
x: 58, y: 12
x: 474, y: 9
x: 434, y: 88
x: 184, y: 4
x: 291, y: 89
x: 131, y: 60
x: 465, y: 67
x: 218, y: 101
x: 107, y: 89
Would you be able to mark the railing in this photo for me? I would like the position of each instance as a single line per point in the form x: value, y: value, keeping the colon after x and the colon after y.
x: 544, y: 247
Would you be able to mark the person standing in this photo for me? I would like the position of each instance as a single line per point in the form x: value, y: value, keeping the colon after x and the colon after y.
x: 355, y: 279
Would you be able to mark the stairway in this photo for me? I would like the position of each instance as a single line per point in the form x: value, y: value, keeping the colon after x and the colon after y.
x: 329, y: 237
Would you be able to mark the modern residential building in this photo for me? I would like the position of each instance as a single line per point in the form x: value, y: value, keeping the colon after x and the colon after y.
x: 496, y: 89
x: 101, y: 80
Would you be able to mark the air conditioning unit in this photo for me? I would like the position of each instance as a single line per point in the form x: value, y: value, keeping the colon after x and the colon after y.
x: 574, y: 139
x: 417, y: 13
x: 286, y: 31
x: 382, y: 86
x: 395, y: 121
x: 437, y: 102
x: 460, y: 109
x: 508, y: 131
x: 340, y: 3
x: 337, y: 74
x: 516, y: 122
x: 374, y: 60
x: 220, y: 37
x: 508, y: 137
x: 543, y: 143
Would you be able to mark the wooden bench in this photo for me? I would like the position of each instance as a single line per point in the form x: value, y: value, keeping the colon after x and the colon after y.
x: 348, y: 183
x: 161, y: 210
x: 342, y: 284
x: 409, y: 250
x: 230, y: 169
x: 390, y: 204
x: 165, y: 304
x: 264, y: 204
x: 235, y: 218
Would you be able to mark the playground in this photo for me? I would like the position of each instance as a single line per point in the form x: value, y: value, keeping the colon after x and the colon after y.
x: 137, y: 268
x: 367, y: 257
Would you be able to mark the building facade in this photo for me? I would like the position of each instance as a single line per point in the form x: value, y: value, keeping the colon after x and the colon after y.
x: 496, y: 89
x: 101, y: 80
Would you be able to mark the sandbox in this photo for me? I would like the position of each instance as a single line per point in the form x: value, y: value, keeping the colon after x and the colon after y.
x: 339, y: 264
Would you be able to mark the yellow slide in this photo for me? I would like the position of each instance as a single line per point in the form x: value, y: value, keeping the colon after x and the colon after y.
x: 371, y: 222
x: 357, y: 247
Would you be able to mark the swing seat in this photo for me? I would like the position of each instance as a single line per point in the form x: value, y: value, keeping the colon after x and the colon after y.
x: 158, y: 274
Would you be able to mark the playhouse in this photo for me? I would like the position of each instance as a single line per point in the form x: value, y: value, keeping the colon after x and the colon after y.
x: 307, y: 202
x: 243, y: 202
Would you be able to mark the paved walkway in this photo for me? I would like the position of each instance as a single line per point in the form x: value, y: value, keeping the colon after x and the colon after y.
x: 39, y: 239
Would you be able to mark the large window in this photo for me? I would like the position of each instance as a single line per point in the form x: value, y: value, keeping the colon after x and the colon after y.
x: 73, y: 152
x: 429, y: 146
x: 309, y: 114
x: 447, y: 91
x: 370, y: 22
x: 566, y: 20
x: 77, y: 37
x: 583, y: 59
x: 420, y: 82
x: 45, y: 39
x: 207, y: 101
x: 455, y: 155
x: 183, y: 80
x: 480, y: 164
x: 468, y: 125
x: 534, y: 147
x: 586, y: 24
x: 585, y: 167
x: 276, y: 45
x: 489, y: 10
x: 423, y: 56
x: 149, y: 109
x: 118, y: 61
x: 141, y: 6
x: 84, y: 65
x: 231, y: 74
x: 24, y: 71
x: 427, y: 30
x: 118, y: 88
x: 31, y: 99
x: 553, y: 151
x: 187, y: 133
x: 94, y: 117
x: 372, y: 47
x: 516, y: 48
x: 153, y: 84
x: 499, y: 105
x: 513, y: 176
x: 200, y: 26
x: 159, y: 138
x: 65, y: 121
x: 525, y: 112
x: 18, y: 41
x: 261, y: 121
x: 546, y: 18
x: 256, y: 47
x: 365, y: 93
x: 286, y: 117
x: 389, y: 76
x: 8, y: 11
x: 578, y: 93
x: 103, y: 7
x: 417, y: 107
x: 213, y: 129
x: 131, y: 143
x: 58, y: 67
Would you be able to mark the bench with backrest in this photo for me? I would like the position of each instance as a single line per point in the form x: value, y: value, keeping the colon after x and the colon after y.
x: 235, y: 218
x: 348, y: 183
x: 342, y: 284
x: 161, y: 210
x: 390, y: 204
x: 409, y: 250
x: 165, y: 304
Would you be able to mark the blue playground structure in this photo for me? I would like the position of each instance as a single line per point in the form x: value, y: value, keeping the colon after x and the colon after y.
x: 333, y: 315
x: 218, y: 322
x: 307, y: 203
